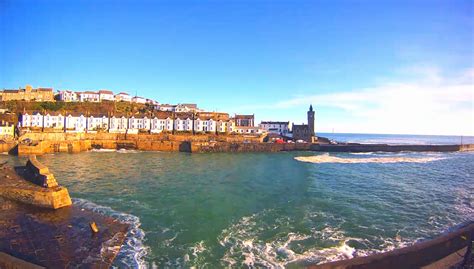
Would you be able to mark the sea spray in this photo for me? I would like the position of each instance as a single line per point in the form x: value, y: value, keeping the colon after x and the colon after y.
x: 334, y: 159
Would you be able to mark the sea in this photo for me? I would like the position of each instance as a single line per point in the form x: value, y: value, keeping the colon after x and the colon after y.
x: 270, y: 210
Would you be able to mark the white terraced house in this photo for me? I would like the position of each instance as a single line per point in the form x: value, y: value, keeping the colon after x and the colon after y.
x: 118, y: 124
x: 52, y: 120
x: 139, y: 123
x: 95, y: 123
x: 105, y: 95
x: 139, y: 100
x: 125, y: 97
x: 79, y: 122
x: 158, y: 125
x: 276, y: 127
x: 68, y: 96
x: 89, y: 96
x: 33, y: 120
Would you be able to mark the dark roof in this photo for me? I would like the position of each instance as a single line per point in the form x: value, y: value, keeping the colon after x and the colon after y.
x: 244, y: 117
x: 10, y: 91
x: 45, y: 89
x: 275, y: 122
x: 190, y: 105
x: 106, y: 92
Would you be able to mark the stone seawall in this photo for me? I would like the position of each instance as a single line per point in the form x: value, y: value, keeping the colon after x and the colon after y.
x: 390, y: 148
x: 57, y: 137
x: 43, y: 143
x: 246, y: 147
x: 7, y: 147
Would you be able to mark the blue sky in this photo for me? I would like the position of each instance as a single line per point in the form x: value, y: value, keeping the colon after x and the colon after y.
x: 367, y: 66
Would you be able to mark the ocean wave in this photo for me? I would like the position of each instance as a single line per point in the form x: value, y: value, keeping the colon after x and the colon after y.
x: 133, y: 252
x: 392, y: 159
x: 245, y: 248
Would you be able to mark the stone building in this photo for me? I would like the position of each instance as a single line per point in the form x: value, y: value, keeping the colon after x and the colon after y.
x: 305, y: 132
x: 28, y: 94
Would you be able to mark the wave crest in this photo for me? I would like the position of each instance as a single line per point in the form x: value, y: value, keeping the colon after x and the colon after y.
x: 392, y: 159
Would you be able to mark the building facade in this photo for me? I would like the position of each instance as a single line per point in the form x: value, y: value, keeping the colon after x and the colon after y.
x: 123, y: 97
x: 244, y: 120
x: 89, y: 96
x: 161, y: 122
x: 7, y: 131
x: 28, y: 94
x: 276, y: 127
x: 68, y: 96
x: 105, y: 95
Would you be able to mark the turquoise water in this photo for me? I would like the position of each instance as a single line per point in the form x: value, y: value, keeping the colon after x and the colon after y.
x: 268, y: 209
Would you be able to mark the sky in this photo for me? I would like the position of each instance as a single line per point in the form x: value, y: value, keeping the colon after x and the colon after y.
x: 401, y: 67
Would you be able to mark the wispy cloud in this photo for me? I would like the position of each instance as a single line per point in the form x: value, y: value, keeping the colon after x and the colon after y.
x: 427, y: 103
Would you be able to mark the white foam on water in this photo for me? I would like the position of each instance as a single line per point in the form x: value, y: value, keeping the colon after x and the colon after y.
x: 133, y: 252
x: 128, y: 151
x: 362, y: 153
x: 245, y: 249
x: 392, y: 159
x: 102, y: 150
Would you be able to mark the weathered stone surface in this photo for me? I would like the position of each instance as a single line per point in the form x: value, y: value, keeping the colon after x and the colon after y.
x: 59, y: 238
x: 15, y: 187
x: 39, y: 174
x: 10, y: 262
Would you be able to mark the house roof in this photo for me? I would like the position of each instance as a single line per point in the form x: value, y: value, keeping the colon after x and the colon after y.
x: 242, y: 117
x: 275, y: 122
x: 189, y: 105
x: 45, y: 89
x: 105, y: 92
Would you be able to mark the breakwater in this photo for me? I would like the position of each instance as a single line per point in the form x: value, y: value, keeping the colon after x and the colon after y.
x: 44, y: 143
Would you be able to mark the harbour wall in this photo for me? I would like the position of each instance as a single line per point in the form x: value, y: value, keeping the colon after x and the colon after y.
x: 390, y: 148
x: 43, y: 143
x: 7, y: 147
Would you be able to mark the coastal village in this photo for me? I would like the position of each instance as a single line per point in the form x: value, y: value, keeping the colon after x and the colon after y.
x: 145, y: 116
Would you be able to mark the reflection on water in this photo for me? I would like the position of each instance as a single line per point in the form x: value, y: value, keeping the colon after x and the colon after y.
x: 269, y: 210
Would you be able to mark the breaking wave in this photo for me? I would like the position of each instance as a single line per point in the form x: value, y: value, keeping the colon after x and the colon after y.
x: 103, y: 150
x: 391, y: 159
x: 116, y: 150
x: 245, y: 248
x: 133, y: 252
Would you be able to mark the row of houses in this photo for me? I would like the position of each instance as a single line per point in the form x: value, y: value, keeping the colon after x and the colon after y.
x: 106, y: 95
x: 100, y: 96
x: 163, y: 122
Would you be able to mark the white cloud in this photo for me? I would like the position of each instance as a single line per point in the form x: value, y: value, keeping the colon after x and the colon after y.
x: 428, y: 104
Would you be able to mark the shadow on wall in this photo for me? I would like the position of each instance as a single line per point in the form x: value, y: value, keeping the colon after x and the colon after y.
x: 185, y: 146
